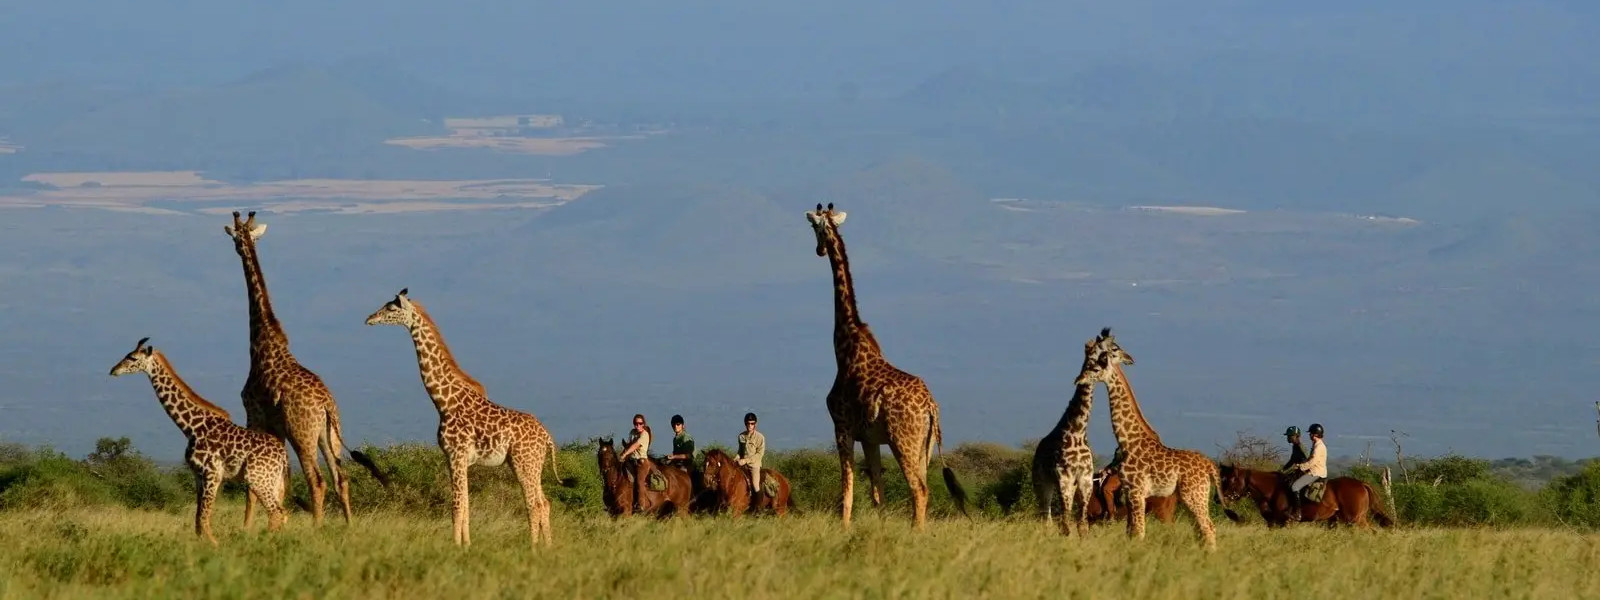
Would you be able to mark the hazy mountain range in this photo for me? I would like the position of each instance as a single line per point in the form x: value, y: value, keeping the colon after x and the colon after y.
x: 1415, y: 250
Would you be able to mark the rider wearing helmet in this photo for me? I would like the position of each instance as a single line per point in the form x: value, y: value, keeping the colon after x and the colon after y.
x: 1297, y: 452
x: 1313, y: 468
x: 682, y: 445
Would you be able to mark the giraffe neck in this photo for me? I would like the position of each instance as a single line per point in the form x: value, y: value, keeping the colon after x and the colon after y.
x: 852, y: 340
x: 188, y: 410
x: 1127, y: 421
x: 266, y: 334
x: 1076, y: 419
x: 448, y: 385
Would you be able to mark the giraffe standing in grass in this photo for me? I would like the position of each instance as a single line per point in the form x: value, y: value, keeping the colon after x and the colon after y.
x: 473, y: 430
x: 871, y: 400
x: 1150, y: 468
x: 1063, y: 463
x: 218, y: 448
x: 281, y: 396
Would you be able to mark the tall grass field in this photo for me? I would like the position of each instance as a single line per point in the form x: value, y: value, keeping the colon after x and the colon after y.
x: 115, y: 525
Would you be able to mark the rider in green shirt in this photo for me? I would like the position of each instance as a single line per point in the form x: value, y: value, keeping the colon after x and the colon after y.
x: 682, y: 445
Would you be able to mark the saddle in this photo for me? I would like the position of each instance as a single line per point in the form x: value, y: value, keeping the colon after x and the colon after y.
x: 769, y: 486
x: 1313, y: 492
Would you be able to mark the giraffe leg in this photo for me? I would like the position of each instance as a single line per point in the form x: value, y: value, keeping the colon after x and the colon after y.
x: 330, y: 445
x: 1197, y: 498
x: 528, y: 466
x: 846, y: 446
x: 915, y: 467
x: 1066, y: 487
x: 1136, y: 500
x: 874, y: 456
x: 460, y: 513
x: 266, y: 485
x: 306, y: 451
x: 205, y: 498
x: 249, y: 505
x: 1085, y: 490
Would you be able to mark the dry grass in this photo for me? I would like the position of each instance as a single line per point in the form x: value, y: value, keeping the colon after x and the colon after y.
x: 137, y: 190
x: 116, y: 553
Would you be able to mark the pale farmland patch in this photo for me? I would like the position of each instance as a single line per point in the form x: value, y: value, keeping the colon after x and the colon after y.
x: 189, y: 191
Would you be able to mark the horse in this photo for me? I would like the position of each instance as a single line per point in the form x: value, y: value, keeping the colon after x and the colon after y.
x: 619, y: 485
x: 1345, y: 499
x: 1107, y: 484
x: 729, y: 483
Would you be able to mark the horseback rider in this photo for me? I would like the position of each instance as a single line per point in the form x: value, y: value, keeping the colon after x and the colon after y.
x: 1313, y: 468
x: 637, y: 452
x: 682, y: 445
x: 752, y: 447
x: 1297, y: 452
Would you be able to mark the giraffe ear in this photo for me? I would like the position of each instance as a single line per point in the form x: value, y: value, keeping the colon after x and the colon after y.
x: 228, y: 229
x: 258, y: 231
x: 837, y: 217
x: 811, y: 217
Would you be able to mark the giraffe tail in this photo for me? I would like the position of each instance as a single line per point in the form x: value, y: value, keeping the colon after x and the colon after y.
x: 555, y: 474
x: 336, y: 436
x: 1216, y: 482
x: 958, y: 494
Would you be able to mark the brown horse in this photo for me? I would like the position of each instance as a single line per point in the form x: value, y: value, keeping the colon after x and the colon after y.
x: 1108, y: 483
x: 729, y: 483
x: 1346, y: 499
x: 619, y: 486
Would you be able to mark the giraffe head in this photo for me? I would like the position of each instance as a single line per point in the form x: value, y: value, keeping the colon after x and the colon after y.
x: 141, y: 360
x: 244, y: 232
x: 825, y: 223
x: 1100, y: 354
x: 399, y: 311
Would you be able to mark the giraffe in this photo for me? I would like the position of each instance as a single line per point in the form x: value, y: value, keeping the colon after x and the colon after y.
x: 1148, y: 467
x: 1063, y: 462
x: 472, y: 429
x: 872, y: 401
x: 281, y: 396
x: 218, y: 448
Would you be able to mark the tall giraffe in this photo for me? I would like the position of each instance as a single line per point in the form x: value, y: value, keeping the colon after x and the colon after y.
x: 1148, y: 467
x: 473, y: 430
x: 871, y: 400
x: 281, y: 396
x: 218, y: 448
x: 1063, y: 462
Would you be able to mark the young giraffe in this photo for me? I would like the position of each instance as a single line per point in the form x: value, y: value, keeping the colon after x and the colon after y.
x: 1150, y: 468
x: 871, y: 400
x: 281, y: 396
x: 473, y: 430
x: 1063, y: 463
x: 218, y: 449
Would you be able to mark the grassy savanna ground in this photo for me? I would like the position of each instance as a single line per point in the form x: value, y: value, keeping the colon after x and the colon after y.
x: 139, y: 190
x: 120, y: 553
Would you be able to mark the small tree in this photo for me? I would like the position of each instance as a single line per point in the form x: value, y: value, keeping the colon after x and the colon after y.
x: 1252, y: 452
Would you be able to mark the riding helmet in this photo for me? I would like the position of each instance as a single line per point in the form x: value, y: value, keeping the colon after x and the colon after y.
x: 1315, y: 429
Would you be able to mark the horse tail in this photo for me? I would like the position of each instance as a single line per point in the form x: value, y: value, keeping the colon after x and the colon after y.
x: 1375, y: 505
x: 1216, y: 481
x: 958, y: 494
x: 336, y: 439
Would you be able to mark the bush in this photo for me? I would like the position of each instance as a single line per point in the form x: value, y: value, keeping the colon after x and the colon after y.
x: 1575, y: 499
